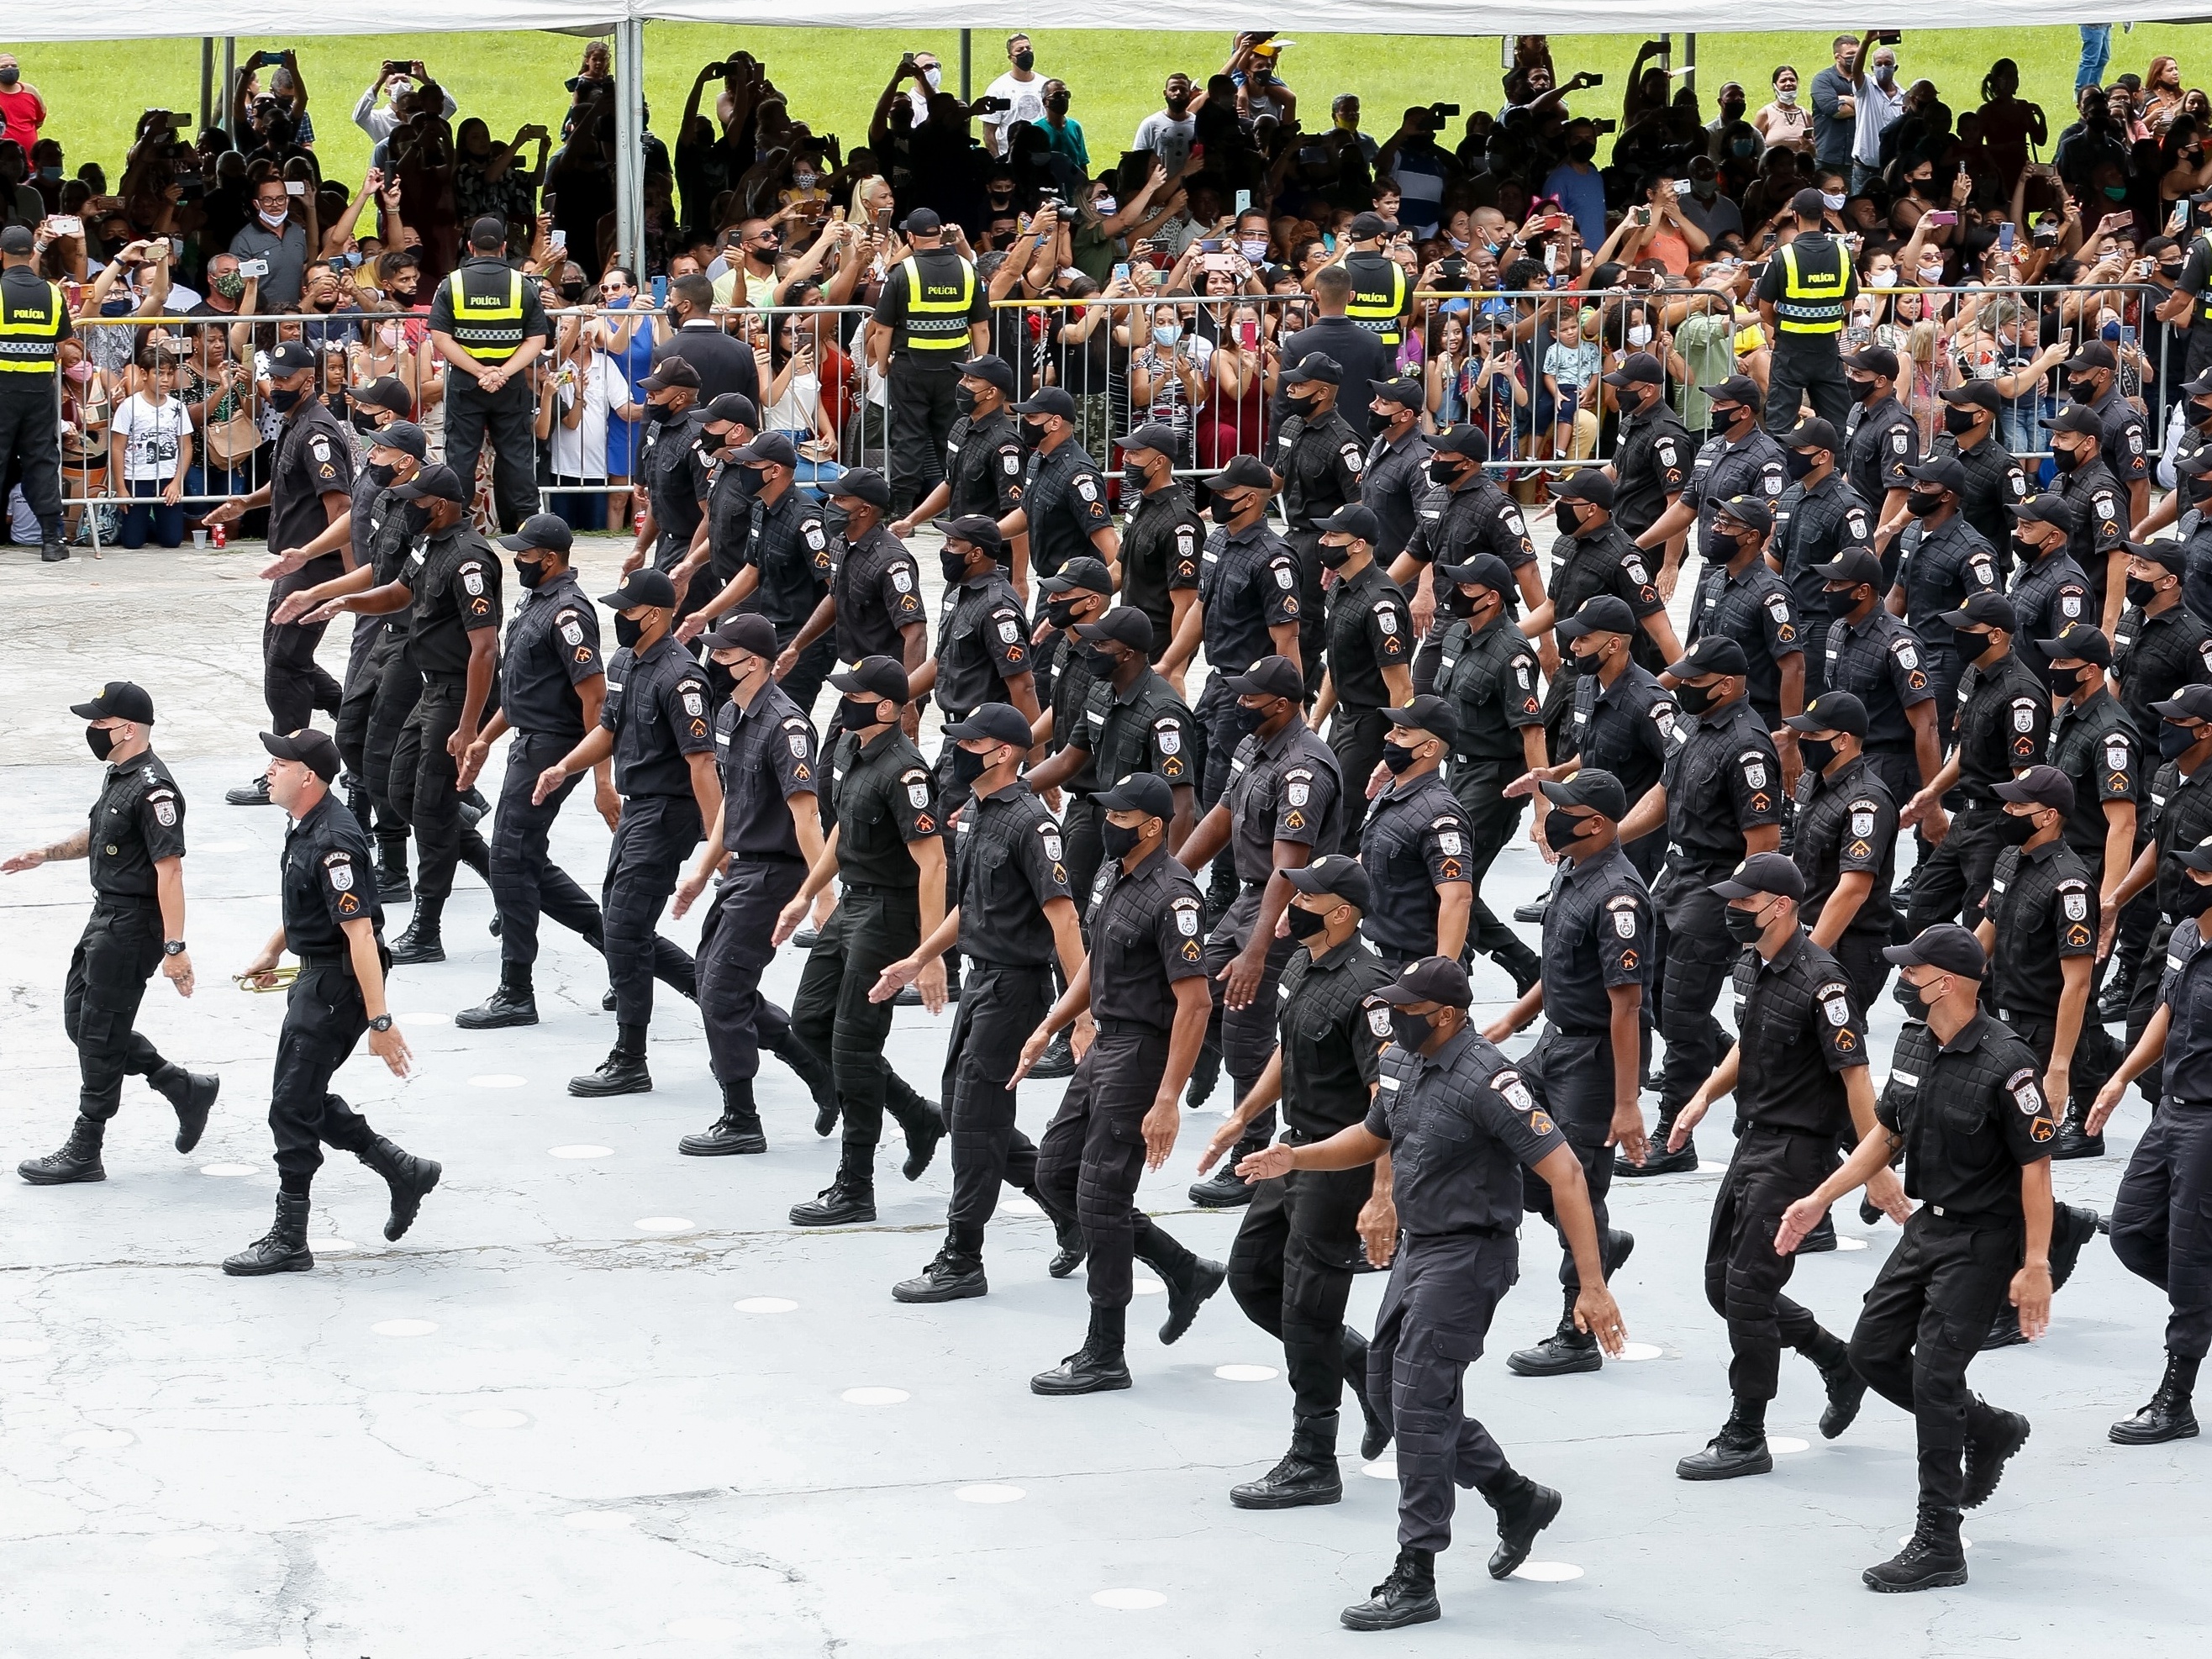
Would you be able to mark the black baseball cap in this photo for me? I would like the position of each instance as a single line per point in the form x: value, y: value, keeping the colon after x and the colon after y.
x: 1432, y: 715
x: 922, y: 221
x: 2190, y: 702
x: 289, y: 357
x: 1738, y: 389
x: 1432, y: 979
x: 2078, y: 419
x: 404, y: 436
x: 749, y: 631
x: 1315, y: 366
x: 2093, y: 355
x: 1366, y: 227
x: 859, y: 483
x: 2047, y: 508
x: 385, y: 392
x: 1606, y: 613
x: 977, y: 529
x: 312, y: 749
x: 2078, y: 642
x: 877, y: 677
x: 2168, y: 555
x: 729, y: 409
x: 772, y: 447
x: 546, y: 530
x: 1638, y: 366
x: 2046, y: 786
x: 991, y: 371
x: 1832, y: 711
x: 118, y: 700
x: 1140, y: 792
x: 1878, y: 361
x: 1242, y: 472
x: 1854, y: 565
x: 1749, y: 511
x: 1483, y: 570
x: 1407, y: 393
x: 669, y: 371
x: 1592, y: 786
x: 1048, y: 400
x: 1715, y: 653
x: 1763, y: 872
x: 1270, y: 677
x: 1808, y: 206
x: 1946, y: 945
x: 1000, y: 722
x: 18, y: 240
x: 1586, y: 484
x: 1813, y: 433
x: 1465, y: 439
x: 1082, y: 571
x: 646, y: 587
x: 1125, y: 624
x: 2198, y: 857
x: 1983, y: 394
x: 1353, y: 520
x: 1332, y: 875
x: 1155, y: 436
x: 439, y: 482
x: 1942, y: 471
x: 1983, y: 610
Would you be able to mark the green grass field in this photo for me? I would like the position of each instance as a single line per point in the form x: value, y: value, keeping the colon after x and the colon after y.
x: 96, y: 90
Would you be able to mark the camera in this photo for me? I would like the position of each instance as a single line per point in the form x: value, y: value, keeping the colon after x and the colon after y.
x: 1441, y: 112
x: 988, y: 105
x: 1603, y: 127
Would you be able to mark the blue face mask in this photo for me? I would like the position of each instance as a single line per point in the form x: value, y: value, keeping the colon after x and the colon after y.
x: 2173, y: 739
x: 115, y: 308
x: 2112, y: 332
x: 1167, y: 334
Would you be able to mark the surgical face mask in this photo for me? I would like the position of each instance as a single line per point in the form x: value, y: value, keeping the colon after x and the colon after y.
x: 1911, y: 998
x: 1254, y: 248
x: 1334, y: 554
x: 1639, y: 334
x: 935, y: 75
x: 1166, y: 334
x: 283, y: 399
x: 1398, y: 756
x: 1787, y: 99
x: 1744, y: 926
x: 1882, y: 276
x: 629, y: 630
x: 1560, y: 830
x: 967, y: 765
x: 964, y: 400
x: 99, y: 740
x: 2116, y: 193
x: 1924, y: 503
x: 1797, y: 463
x: 2142, y: 591
x: 953, y: 564
x: 1410, y: 1032
x: 2174, y: 741
x: 529, y: 572
x: 229, y: 283
x: 1958, y: 420
x: 1695, y: 699
x: 1118, y: 840
x: 1834, y: 203
x: 1305, y: 923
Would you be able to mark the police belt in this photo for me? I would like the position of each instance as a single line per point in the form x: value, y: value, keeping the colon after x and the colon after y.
x: 1749, y: 1126
x: 1978, y: 1220
x: 102, y: 899
x: 1131, y: 1028
x: 873, y: 887
x: 2017, y: 1017
x: 315, y: 962
x: 1412, y: 1237
x: 985, y: 965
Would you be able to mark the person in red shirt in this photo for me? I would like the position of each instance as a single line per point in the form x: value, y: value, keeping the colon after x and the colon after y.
x: 22, y: 112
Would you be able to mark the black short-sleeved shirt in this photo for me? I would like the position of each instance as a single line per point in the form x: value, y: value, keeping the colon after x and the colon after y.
x: 329, y: 880
x: 456, y: 588
x: 2185, y: 988
x: 790, y: 545
x: 1606, y: 562
x: 878, y: 586
x: 1285, y: 787
x: 884, y: 800
x: 2101, y: 522
x: 1811, y: 526
x: 1145, y: 935
x: 1940, y: 570
x: 1064, y: 501
x: 1368, y: 630
x: 137, y: 818
x: 1009, y: 862
x: 1725, y: 469
x: 1753, y: 607
x: 1598, y: 933
x: 766, y: 755
x: 1394, y: 488
x: 1797, y: 1033
x: 724, y: 362
x: 552, y: 647
x: 314, y: 455
x: 983, y: 642
x: 658, y: 707
x: 1996, y: 487
x: 1450, y: 526
x: 2049, y: 595
x: 2180, y: 816
x: 1248, y: 582
x: 1972, y: 1115
x: 2044, y: 907
x: 2098, y: 748
x: 731, y: 498
x: 2154, y: 657
x: 1417, y: 839
x: 677, y: 478
x: 385, y: 532
x: 1881, y: 442
x: 1330, y: 1039
x: 1846, y: 825
x: 1492, y: 681
x: 1147, y: 728
x: 2004, y: 726
x: 1461, y: 1124
x: 986, y: 465
x: 1162, y: 540
x: 1651, y: 466
x: 1628, y: 728
x: 2120, y: 443
x: 1724, y: 780
x: 1883, y: 663
x: 1319, y: 460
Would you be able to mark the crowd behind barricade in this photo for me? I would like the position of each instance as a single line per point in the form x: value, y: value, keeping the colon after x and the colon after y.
x: 1551, y: 238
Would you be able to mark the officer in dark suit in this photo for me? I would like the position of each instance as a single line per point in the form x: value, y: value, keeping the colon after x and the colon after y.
x: 135, y: 845
x: 489, y: 324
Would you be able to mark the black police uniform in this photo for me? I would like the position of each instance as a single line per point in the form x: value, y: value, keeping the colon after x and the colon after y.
x: 2051, y: 594
x: 1450, y: 526
x: 2179, y: 817
x: 789, y: 545
x: 986, y: 464
x: 1650, y: 464
x: 1940, y: 570
x: 489, y: 309
x: 930, y: 301
x: 1754, y: 610
x: 1847, y: 825
x: 1162, y: 540
x: 1320, y: 460
x: 1298, y: 1245
x: 983, y: 642
x: 1971, y: 1114
x: 1582, y: 567
x: 2120, y: 441
x: 766, y: 756
x: 2196, y: 538
x: 1628, y: 729
x: 1147, y: 728
x: 2195, y: 280
x: 1370, y: 629
x: 1883, y: 663
x: 1248, y: 582
x: 878, y: 586
x: 2004, y: 724
x: 2154, y: 657
x: 314, y: 455
x: 677, y: 479
x: 1009, y: 862
x: 2099, y: 750
x: 455, y: 579
x: 731, y: 493
x: 1995, y: 487
x: 1799, y: 1030
x: 1462, y: 1124
x: 1811, y: 527
x: 33, y: 321
x: 1417, y: 839
x: 1725, y: 469
x: 1723, y: 781
x: 2044, y: 906
x: 370, y: 718
x: 1392, y: 486
x: 1880, y: 442
x: 1490, y: 676
x: 1064, y: 502
x: 2101, y: 523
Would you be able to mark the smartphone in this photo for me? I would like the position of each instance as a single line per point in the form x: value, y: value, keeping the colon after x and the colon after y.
x: 2128, y: 335
x: 178, y: 123
x: 253, y: 267
x: 1220, y: 262
x: 1940, y: 216
x: 294, y: 187
x: 1328, y: 242
x: 2005, y: 234
x: 660, y: 290
x: 1210, y: 245
x: 1243, y: 203
x: 67, y: 224
x: 1122, y: 273
x: 558, y: 241
x: 1552, y: 256
x: 1247, y: 336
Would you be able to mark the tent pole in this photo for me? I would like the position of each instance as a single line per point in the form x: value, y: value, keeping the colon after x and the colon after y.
x: 225, y: 117
x: 965, y: 59
x: 629, y: 145
x: 1690, y: 61
x: 207, y: 80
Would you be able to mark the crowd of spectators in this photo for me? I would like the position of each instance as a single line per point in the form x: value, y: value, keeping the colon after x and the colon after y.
x: 1548, y: 230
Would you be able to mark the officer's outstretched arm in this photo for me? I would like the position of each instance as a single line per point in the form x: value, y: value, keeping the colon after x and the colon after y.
x: 1262, y: 1095
x: 1648, y: 813
x: 1349, y: 1148
x: 1596, y: 1311
x: 2144, y: 1055
x: 1874, y: 1151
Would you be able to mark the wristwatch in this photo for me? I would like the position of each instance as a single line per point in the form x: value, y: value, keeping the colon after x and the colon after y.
x: 172, y: 947
x: 382, y: 1023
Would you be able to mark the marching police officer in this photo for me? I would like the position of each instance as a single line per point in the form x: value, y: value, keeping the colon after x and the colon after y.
x: 1369, y: 643
x: 1942, y: 564
x: 2097, y: 523
x: 1818, y: 517
x: 1079, y: 593
x: 1416, y: 843
x: 1394, y: 481
x: 874, y: 603
x: 1282, y: 808
x: 2093, y: 381
x: 1381, y: 295
x: 1846, y: 843
x: 489, y: 323
x: 1798, y: 1071
x: 1299, y: 1244
x: 727, y: 425
x: 888, y: 853
x: 1803, y: 294
x: 2051, y: 592
x: 1014, y: 919
x: 657, y: 725
x: 1317, y: 460
x: 1880, y: 439
x: 1062, y: 514
x: 1464, y: 1134
x: 1741, y: 598
x: 1995, y: 486
x: 2160, y: 645
x: 1964, y: 1102
x: 333, y: 922
x: 931, y: 314
x: 34, y: 321
x: 1466, y: 513
x: 1870, y: 652
x: 135, y: 845
x: 1163, y: 538
x: 785, y: 570
x: 1145, y: 986
x: 1741, y: 459
x: 764, y: 838
x: 1651, y: 466
x: 1486, y: 671
x: 986, y: 465
x: 677, y: 479
x: 983, y: 650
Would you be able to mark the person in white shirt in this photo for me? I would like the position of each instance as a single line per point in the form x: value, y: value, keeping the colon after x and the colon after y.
x: 1877, y: 100
x: 572, y: 420
x: 932, y: 80
x: 380, y: 122
x: 1022, y: 88
x: 150, y: 438
x: 1169, y: 133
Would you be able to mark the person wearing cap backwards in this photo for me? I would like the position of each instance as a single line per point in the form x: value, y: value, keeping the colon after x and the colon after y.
x: 1143, y: 985
x: 1995, y: 484
x: 1418, y: 842
x: 2160, y: 644
x: 451, y: 584
x: 1465, y: 1136
x: 2004, y: 723
x: 1014, y: 919
x: 1381, y: 297
x: 134, y: 845
x: 2093, y: 376
x: 765, y: 835
x: 1317, y: 460
x: 1720, y: 799
x: 1741, y: 598
x: 986, y: 464
x: 2158, y: 1213
x: 310, y: 478
x: 1802, y: 296
x: 36, y: 339
x: 1942, y: 564
x: 552, y: 686
x: 1299, y: 1244
x: 888, y: 850
x: 1964, y: 1102
x: 674, y: 475
x: 983, y: 648
x: 1163, y: 538
x: 1845, y: 843
x: 1651, y: 462
x: 874, y: 603
x: 784, y: 570
x: 1284, y: 807
x: 1798, y: 1071
x: 1395, y: 483
x: 1466, y: 513
x: 1485, y: 671
x: 489, y: 323
x: 1741, y: 459
x: 1818, y: 516
x: 931, y: 314
x: 2050, y: 592
x: 1871, y: 653
x: 656, y: 725
x: 2097, y: 519
x: 1880, y: 439
x: 1062, y: 514
x: 334, y: 923
x: 1368, y: 643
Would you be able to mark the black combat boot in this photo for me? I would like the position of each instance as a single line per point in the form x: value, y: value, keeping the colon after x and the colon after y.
x: 1988, y: 1451
x: 1224, y: 1189
x: 53, y: 550
x: 192, y: 1093
x: 357, y: 801
x: 1058, y: 1060
x: 2072, y: 1226
x: 850, y: 1198
x: 283, y: 1249
x: 1739, y: 1448
x: 422, y: 942
x: 1190, y: 1280
x: 622, y: 1072
x: 1846, y: 1388
x: 811, y: 1070
x: 1407, y: 1597
x: 1821, y: 1239
x: 1932, y: 1558
x: 1306, y: 1475
x: 737, y: 1131
x: 392, y: 886
x: 1562, y: 1353
x: 2168, y: 1416
x: 2073, y: 1138
x: 1069, y: 1246
x: 954, y: 1275
x: 1658, y: 1161
x: 1523, y: 1510
x: 1375, y: 1433
x: 411, y: 1180
x: 516, y: 1002
x: 77, y: 1160
x: 1205, y: 1074
x: 1523, y: 964
x: 1097, y: 1366
x: 2119, y: 991
x: 255, y: 793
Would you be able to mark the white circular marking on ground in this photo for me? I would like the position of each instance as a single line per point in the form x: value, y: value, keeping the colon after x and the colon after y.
x: 1128, y: 1600
x: 1844, y: 1242
x: 581, y: 1151
x: 1547, y: 1573
x: 662, y: 1223
x: 1639, y: 1350
x: 600, y: 1519
x: 1246, y: 1373
x: 1020, y: 1204
x: 765, y: 1304
x: 24, y: 1347
x: 183, y: 1545
x: 405, y: 1327
x: 1705, y: 1166
x: 874, y: 1396
x: 228, y: 1169
x: 1385, y: 1468
x: 1141, y: 1286
x: 98, y: 1439
x: 495, y: 1417
x: 989, y: 1494
x: 703, y: 1630
x: 1784, y: 1443
x: 1965, y: 1542
x: 497, y: 1081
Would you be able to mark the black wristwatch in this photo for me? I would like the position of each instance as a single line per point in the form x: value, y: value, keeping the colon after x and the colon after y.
x: 382, y: 1023
x: 172, y: 947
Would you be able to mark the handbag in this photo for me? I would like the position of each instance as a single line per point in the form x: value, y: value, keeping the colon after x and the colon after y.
x: 230, y: 443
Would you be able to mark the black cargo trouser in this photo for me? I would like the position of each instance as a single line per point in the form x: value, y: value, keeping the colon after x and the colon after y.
x: 1572, y: 1075
x: 870, y: 927
x: 1245, y: 1036
x: 292, y: 684
x: 1000, y: 1005
x: 1955, y: 875
x: 1357, y: 735
x: 656, y: 834
x: 1479, y: 786
x: 2162, y: 1219
x: 508, y: 416
x: 733, y: 949
x: 31, y: 448
x: 922, y: 410
x: 117, y: 953
x: 1772, y: 1168
x: 525, y: 883
x: 324, y: 1020
x: 1696, y: 958
x: 426, y: 788
x: 1290, y: 1270
x: 1807, y: 366
x: 398, y: 683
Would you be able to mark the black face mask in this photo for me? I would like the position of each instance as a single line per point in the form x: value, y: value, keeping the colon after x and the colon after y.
x: 383, y: 475
x: 1722, y: 546
x: 1923, y: 504
x: 1816, y: 752
x: 1118, y: 840
x: 1443, y: 470
x: 1032, y: 434
x: 1223, y: 509
x: 1695, y: 699
x: 1569, y: 520
x: 954, y: 565
x: 1410, y: 1032
x: 857, y: 713
x: 964, y: 400
x: 1134, y: 479
x: 1060, y: 613
x: 1101, y: 664
x: 2064, y: 459
x: 99, y: 740
x: 1923, y: 188
x: 2203, y: 892
x: 1583, y: 149
x: 1726, y: 418
x: 1859, y: 391
x: 1336, y: 557
x: 529, y: 572
x: 1305, y: 923
x: 1958, y: 420
x: 967, y: 765
x: 2080, y: 388
x: 1453, y: 602
x: 1797, y: 463
x: 1744, y: 926
x: 658, y: 413
x: 627, y: 630
x: 1559, y: 831
x: 1025, y: 61
x: 2014, y: 830
x: 1588, y: 662
x: 2174, y: 741
x: 1397, y: 757
x: 1909, y: 998
x: 2200, y: 412
x: 2089, y: 677
x: 2140, y: 593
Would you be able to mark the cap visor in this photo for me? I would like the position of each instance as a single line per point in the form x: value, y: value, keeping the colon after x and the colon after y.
x: 1733, y: 888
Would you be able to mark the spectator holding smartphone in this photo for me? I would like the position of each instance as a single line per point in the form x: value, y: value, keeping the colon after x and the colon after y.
x: 276, y: 238
x: 150, y: 444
